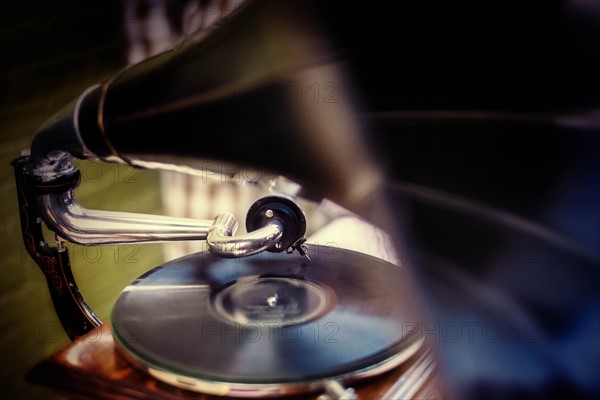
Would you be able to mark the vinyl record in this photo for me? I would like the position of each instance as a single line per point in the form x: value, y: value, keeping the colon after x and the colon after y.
x: 270, y: 321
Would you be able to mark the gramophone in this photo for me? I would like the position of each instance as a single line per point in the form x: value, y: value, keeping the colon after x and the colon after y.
x: 481, y: 162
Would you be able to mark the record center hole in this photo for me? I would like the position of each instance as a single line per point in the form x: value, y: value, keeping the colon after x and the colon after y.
x: 272, y: 300
x: 269, y: 300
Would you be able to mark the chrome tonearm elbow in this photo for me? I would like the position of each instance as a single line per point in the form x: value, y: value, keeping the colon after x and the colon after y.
x: 221, y: 241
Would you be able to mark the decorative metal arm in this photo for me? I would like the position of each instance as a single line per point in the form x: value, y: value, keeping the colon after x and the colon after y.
x: 46, y: 193
x: 70, y: 221
x: 79, y: 225
x: 75, y: 315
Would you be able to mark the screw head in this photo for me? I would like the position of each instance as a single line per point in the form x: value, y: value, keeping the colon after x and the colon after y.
x: 269, y: 213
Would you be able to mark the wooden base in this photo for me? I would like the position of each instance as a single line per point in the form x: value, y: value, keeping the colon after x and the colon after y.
x: 91, y: 368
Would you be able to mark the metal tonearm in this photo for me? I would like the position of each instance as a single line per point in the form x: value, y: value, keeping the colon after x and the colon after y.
x: 45, y: 187
x: 72, y: 222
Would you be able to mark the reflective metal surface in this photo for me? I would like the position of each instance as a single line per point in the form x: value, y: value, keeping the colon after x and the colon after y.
x: 83, y: 226
x: 72, y: 222
x: 77, y: 224
x: 221, y: 241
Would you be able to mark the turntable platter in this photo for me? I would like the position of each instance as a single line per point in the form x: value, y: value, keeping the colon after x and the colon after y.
x: 227, y: 326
